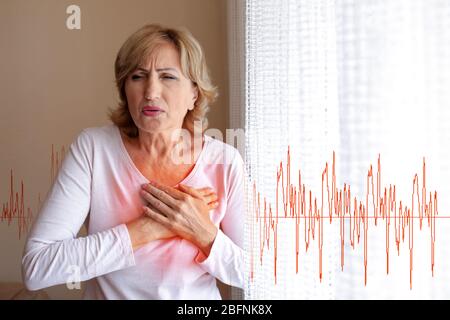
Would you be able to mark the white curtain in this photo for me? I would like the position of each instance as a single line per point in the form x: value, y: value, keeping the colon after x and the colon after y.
x: 369, y: 81
x: 236, y: 71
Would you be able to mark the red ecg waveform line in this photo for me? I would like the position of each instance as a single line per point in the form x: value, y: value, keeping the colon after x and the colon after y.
x: 300, y: 204
x: 15, y: 208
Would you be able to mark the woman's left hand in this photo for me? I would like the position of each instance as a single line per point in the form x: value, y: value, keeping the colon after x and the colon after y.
x: 182, y: 211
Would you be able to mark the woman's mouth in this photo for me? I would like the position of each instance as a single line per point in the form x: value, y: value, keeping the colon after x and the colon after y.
x: 152, y: 111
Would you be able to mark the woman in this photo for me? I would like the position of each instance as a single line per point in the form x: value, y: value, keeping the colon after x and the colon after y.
x: 143, y: 185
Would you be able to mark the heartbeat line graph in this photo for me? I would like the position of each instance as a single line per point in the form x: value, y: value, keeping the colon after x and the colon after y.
x: 301, y: 206
x: 17, y: 207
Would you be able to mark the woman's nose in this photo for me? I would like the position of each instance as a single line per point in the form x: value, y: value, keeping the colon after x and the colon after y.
x: 153, y: 89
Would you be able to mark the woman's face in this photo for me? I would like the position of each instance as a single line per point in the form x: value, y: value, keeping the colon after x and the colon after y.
x: 158, y: 94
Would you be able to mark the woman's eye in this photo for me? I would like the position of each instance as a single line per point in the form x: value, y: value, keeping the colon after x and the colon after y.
x: 136, y: 77
x: 168, y: 76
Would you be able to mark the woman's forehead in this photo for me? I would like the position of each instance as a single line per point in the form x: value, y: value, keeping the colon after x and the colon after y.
x: 163, y: 55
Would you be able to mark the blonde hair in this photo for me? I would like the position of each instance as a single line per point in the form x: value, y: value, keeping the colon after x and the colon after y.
x: 193, y: 64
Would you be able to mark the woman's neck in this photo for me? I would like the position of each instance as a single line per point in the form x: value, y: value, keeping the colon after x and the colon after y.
x: 168, y: 147
x: 160, y: 144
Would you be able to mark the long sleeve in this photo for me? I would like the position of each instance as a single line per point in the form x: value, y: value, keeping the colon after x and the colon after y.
x: 52, y: 252
x: 226, y: 259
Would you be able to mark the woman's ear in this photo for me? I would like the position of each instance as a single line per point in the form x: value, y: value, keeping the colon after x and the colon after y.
x: 195, y: 94
x: 194, y: 97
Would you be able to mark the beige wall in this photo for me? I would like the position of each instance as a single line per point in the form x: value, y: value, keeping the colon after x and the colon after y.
x: 56, y: 81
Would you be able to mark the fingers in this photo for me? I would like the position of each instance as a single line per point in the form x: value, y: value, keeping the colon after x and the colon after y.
x: 174, y: 193
x: 213, y: 205
x: 212, y: 197
x: 191, y: 191
x: 164, y: 198
x: 156, y: 216
x: 205, y: 191
x: 206, y: 194
x: 160, y: 200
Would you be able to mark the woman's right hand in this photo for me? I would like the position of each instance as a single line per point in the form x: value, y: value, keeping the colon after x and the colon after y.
x: 209, y: 196
x: 144, y: 229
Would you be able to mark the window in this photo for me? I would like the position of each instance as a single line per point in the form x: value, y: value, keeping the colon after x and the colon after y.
x: 363, y: 79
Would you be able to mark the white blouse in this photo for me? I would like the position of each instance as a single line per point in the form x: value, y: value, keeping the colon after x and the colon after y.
x: 98, y: 184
